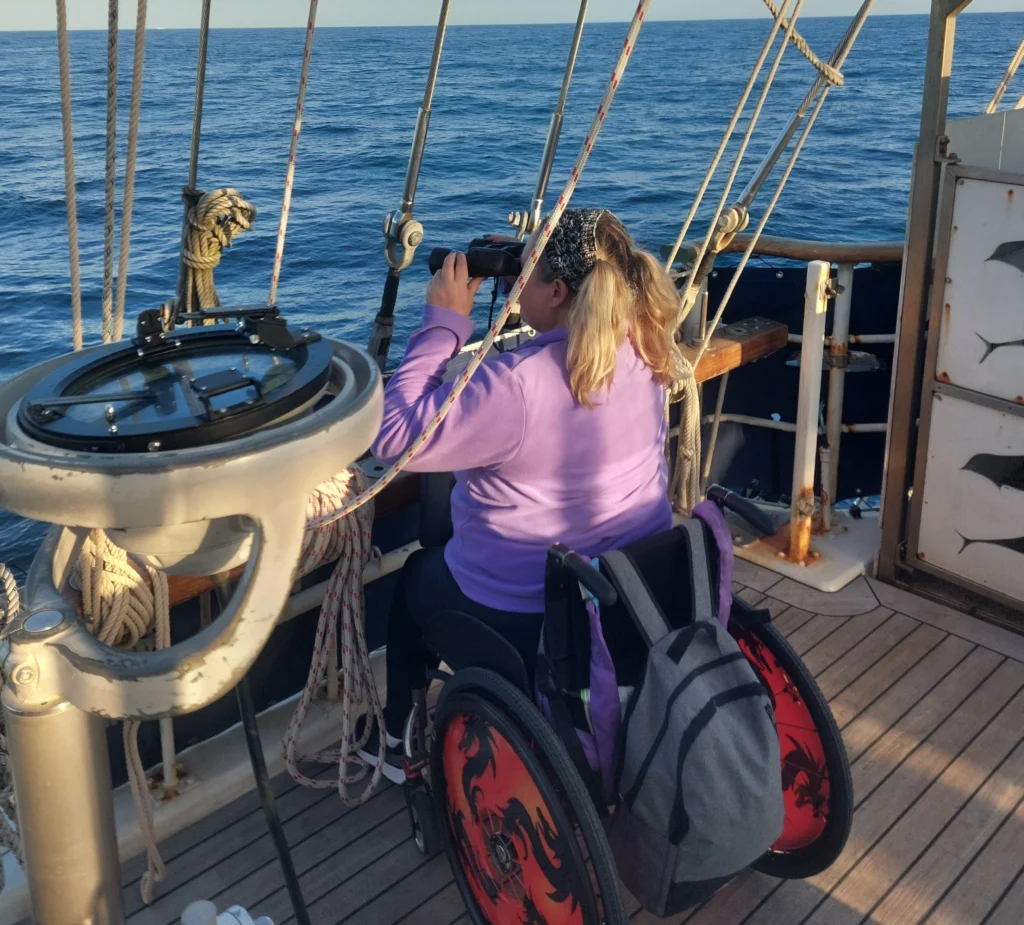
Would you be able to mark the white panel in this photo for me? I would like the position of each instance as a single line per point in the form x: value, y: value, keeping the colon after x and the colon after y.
x: 981, y: 344
x: 991, y: 142
x: 971, y: 448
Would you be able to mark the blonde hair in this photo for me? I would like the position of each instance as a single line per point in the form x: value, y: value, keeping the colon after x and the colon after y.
x: 627, y: 294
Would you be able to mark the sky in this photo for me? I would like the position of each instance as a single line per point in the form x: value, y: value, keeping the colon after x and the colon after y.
x: 172, y: 14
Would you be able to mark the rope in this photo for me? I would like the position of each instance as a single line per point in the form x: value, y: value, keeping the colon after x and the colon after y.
x: 69, y: 173
x: 9, y: 840
x: 685, y: 487
x: 213, y: 220
x: 111, y: 171
x: 197, y: 122
x: 1007, y: 77
x: 290, y: 176
x: 129, y: 168
x: 529, y: 264
x: 831, y: 74
x: 723, y: 144
x: 349, y: 540
x: 120, y: 608
x: 684, y: 493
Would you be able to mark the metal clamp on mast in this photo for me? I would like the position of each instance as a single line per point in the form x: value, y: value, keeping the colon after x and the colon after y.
x: 526, y: 222
x: 402, y: 233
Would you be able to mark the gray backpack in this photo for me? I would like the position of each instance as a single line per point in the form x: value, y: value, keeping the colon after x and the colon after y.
x: 698, y: 775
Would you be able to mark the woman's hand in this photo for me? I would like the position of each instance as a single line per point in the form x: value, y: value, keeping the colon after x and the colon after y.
x: 451, y: 286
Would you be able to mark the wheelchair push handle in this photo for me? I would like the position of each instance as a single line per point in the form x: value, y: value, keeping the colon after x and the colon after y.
x: 586, y: 574
x: 750, y: 512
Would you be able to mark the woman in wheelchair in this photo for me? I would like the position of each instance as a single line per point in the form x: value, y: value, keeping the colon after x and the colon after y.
x: 558, y: 441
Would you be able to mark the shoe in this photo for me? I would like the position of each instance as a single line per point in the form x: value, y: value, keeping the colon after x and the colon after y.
x: 394, y: 756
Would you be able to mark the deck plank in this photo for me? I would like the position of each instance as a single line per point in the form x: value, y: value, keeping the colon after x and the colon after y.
x: 956, y: 846
x: 878, y: 679
x: 180, y: 843
x: 249, y: 877
x: 246, y: 839
x: 339, y: 882
x: 1007, y: 912
x: 975, y: 893
x: 862, y: 657
x: 853, y: 632
x: 412, y: 891
x: 787, y: 620
x: 357, y: 884
x: 867, y: 883
x: 442, y: 908
x: 815, y: 631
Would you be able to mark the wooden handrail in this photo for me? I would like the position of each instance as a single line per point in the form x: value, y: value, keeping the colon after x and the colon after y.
x: 832, y: 251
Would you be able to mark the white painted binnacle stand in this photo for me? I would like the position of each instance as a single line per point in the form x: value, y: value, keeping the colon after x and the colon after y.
x: 62, y: 683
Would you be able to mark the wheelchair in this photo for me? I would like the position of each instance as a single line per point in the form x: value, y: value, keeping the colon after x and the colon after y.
x: 506, y: 790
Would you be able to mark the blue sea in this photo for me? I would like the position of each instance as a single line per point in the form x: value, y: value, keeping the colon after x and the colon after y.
x: 491, y: 109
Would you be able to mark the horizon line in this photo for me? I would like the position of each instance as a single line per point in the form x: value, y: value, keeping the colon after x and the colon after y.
x: 493, y: 24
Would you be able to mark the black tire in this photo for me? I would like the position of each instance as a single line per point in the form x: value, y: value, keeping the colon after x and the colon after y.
x: 794, y: 862
x: 423, y: 820
x: 535, y: 743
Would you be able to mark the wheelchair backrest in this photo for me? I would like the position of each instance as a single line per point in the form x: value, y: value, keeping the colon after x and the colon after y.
x: 665, y: 565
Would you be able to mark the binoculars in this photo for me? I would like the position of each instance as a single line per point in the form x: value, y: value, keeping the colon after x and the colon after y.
x: 485, y: 257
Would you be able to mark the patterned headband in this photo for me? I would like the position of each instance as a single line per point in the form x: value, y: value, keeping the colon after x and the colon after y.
x: 572, y: 249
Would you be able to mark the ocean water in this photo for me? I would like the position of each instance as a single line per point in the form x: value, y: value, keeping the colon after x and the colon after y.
x: 491, y: 109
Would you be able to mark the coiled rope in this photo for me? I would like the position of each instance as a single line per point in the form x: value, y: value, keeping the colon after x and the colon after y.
x: 121, y: 609
x: 213, y: 220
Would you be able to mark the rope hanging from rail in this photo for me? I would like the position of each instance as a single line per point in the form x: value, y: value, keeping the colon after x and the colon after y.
x: 348, y: 541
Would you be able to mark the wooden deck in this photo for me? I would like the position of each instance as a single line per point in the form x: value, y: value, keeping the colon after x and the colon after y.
x: 931, y: 705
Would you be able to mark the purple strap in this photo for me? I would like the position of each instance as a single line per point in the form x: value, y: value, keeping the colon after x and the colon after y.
x: 712, y: 515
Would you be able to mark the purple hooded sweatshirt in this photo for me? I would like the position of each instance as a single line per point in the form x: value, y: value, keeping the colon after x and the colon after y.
x: 532, y: 466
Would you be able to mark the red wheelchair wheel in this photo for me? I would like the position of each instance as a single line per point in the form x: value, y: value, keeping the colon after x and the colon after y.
x: 512, y: 835
x: 816, y: 782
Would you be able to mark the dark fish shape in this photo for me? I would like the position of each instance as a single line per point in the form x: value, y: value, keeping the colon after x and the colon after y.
x: 990, y: 347
x: 1014, y: 544
x: 1011, y: 252
x: 1001, y: 471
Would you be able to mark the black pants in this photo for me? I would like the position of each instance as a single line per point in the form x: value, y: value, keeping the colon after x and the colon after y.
x: 425, y: 588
